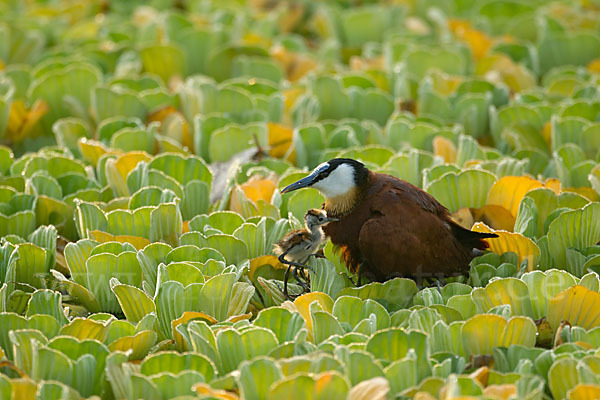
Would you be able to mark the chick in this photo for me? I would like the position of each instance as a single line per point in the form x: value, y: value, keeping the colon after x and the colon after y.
x: 295, y: 248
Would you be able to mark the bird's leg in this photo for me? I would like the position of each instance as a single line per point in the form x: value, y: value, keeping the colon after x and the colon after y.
x: 300, y: 280
x: 286, y: 277
x: 285, y: 281
x: 294, y: 267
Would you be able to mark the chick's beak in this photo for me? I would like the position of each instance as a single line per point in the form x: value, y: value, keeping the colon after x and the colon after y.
x: 302, y: 183
x: 332, y: 219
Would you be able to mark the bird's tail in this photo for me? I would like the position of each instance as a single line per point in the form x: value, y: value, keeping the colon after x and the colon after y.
x: 472, y: 239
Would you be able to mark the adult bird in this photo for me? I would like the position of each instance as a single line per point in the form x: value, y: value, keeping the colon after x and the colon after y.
x: 388, y: 227
x: 296, y: 247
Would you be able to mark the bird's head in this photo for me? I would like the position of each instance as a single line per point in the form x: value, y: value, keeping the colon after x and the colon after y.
x: 334, y: 178
x: 316, y: 217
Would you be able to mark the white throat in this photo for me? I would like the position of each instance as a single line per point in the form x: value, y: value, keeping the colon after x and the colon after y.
x: 339, y: 182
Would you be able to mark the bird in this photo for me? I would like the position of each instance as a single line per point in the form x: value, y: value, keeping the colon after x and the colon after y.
x: 295, y: 248
x: 387, y: 227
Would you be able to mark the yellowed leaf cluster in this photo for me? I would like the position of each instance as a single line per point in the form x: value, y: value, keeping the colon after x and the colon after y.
x: 478, y: 41
x: 295, y: 65
x: 23, y: 120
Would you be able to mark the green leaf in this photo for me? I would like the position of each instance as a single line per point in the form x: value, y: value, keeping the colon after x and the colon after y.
x: 215, y: 296
x: 74, y: 81
x: 166, y: 224
x: 47, y: 302
x: 134, y: 139
x: 235, y: 347
x: 576, y: 229
x: 326, y: 278
x: 178, y: 362
x: 110, y: 102
x: 543, y: 286
x: 393, y: 294
x: 133, y: 301
x: 196, y: 199
x: 7, y: 91
x: 257, y: 376
x: 103, y: 267
x: 232, y: 139
x: 30, y: 267
x: 166, y: 61
x: 282, y: 322
x: 45, y: 237
x: 468, y: 188
x: 579, y: 49
x: 358, y: 365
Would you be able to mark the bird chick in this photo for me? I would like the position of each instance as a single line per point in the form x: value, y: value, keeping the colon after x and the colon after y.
x: 295, y: 248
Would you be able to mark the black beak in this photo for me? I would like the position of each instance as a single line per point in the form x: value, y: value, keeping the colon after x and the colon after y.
x: 332, y: 219
x: 302, y: 183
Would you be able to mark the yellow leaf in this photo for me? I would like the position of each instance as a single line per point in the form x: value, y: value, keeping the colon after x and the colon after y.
x: 92, y: 150
x: 102, y: 237
x: 205, y: 390
x: 483, y: 332
x: 280, y: 139
x: 140, y: 344
x: 291, y: 17
x: 500, y: 392
x: 584, y: 391
x: 239, y: 317
x: 508, y: 192
x: 23, y: 388
x: 577, y: 305
x: 481, y: 375
x: 240, y: 203
x: 444, y: 148
x: 445, y: 84
x: 496, y: 217
x: 500, y: 68
x: 594, y: 65
x: 128, y: 161
x: 478, y: 42
x: 173, y: 124
x: 463, y: 217
x: 291, y: 95
x: 553, y: 184
x: 259, y: 188
x: 82, y: 329
x: 524, y: 247
x: 260, y: 262
x: 586, y: 192
x: 295, y: 65
x: 254, y: 39
x: 186, y: 317
x: 21, y: 121
x: 547, y: 134
x: 302, y: 305
x: 186, y: 227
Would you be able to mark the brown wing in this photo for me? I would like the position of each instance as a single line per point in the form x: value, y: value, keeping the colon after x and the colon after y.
x: 409, y: 233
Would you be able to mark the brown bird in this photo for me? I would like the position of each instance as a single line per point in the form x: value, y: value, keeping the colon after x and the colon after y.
x: 388, y: 227
x: 296, y: 247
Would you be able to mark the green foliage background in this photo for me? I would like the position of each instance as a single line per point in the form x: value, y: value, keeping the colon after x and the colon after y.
x: 144, y: 146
